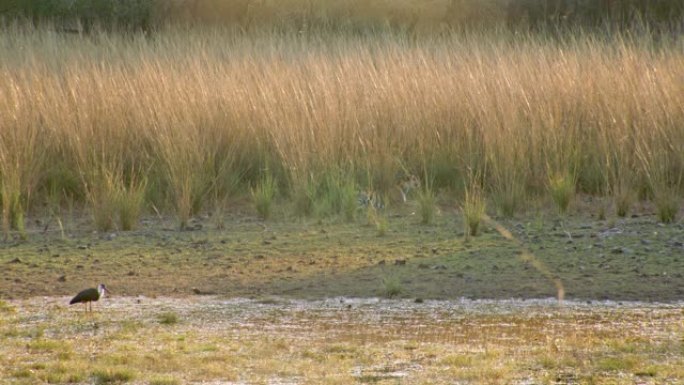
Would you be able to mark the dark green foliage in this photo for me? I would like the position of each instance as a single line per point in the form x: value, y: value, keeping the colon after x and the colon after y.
x: 545, y: 14
x: 519, y: 14
x: 106, y: 14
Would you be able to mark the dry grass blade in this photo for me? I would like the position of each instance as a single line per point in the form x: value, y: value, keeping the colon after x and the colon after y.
x: 204, y: 111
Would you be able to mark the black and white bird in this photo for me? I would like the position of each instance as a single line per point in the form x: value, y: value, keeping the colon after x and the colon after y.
x: 88, y: 296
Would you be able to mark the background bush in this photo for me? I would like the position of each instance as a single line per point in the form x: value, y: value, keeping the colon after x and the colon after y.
x: 84, y: 14
x: 411, y: 16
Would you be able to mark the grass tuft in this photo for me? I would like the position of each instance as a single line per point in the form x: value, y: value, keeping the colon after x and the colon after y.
x: 562, y: 189
x: 667, y: 201
x: 164, y: 380
x: 112, y: 376
x: 6, y: 307
x: 168, y: 318
x: 427, y: 204
x: 130, y: 201
x: 263, y: 195
x: 391, y: 286
x: 623, y: 196
x: 473, y: 209
x: 378, y: 219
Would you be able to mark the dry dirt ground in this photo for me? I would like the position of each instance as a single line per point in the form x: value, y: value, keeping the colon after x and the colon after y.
x: 303, y: 301
x: 217, y: 340
x: 634, y: 258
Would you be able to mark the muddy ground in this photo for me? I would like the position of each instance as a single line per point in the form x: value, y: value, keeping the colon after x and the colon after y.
x: 635, y: 258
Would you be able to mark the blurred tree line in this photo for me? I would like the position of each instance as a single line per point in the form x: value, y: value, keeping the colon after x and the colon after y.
x: 519, y: 14
x: 589, y: 14
x: 84, y: 14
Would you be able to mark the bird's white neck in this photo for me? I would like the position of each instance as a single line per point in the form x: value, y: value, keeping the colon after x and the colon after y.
x: 101, y: 291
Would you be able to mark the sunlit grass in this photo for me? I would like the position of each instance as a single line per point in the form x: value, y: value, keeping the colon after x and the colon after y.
x: 336, y: 345
x: 180, y: 123
x: 562, y: 189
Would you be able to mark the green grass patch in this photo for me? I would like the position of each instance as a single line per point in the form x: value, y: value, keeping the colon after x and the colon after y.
x: 263, y: 195
x: 392, y: 286
x: 473, y: 209
x: 562, y: 189
x: 112, y: 376
x: 667, y: 201
x: 164, y: 380
x: 5, y: 307
x: 168, y: 318
x: 620, y: 363
x: 44, y: 345
x: 427, y: 205
x: 458, y: 360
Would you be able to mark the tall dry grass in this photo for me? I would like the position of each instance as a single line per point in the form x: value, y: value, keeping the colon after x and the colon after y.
x: 200, y: 114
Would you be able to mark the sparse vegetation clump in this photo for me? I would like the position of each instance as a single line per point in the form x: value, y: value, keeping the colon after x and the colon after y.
x: 562, y: 189
x: 112, y: 376
x: 164, y: 380
x: 5, y: 307
x: 473, y: 209
x: 168, y: 318
x: 263, y: 195
x: 427, y: 203
x: 391, y: 286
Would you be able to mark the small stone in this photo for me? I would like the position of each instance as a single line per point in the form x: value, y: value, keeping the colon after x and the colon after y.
x: 616, y: 250
x: 418, y: 300
x: 62, y: 278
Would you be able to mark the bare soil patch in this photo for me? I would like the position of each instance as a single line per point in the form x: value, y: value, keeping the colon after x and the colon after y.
x: 220, y: 340
x: 635, y: 259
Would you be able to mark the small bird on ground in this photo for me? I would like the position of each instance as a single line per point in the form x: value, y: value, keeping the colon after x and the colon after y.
x: 87, y: 296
